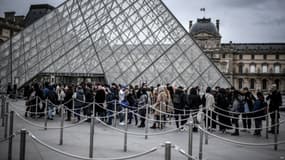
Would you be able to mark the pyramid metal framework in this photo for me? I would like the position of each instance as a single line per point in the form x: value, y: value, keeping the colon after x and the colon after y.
x: 128, y: 41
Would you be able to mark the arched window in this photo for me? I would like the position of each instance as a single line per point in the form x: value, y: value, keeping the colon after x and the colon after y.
x: 264, y: 68
x: 277, y: 82
x: 252, y: 68
x: 240, y: 83
x: 276, y: 68
x: 252, y: 83
x: 264, y: 84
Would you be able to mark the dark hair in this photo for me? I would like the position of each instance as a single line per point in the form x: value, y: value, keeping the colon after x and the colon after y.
x: 208, y: 90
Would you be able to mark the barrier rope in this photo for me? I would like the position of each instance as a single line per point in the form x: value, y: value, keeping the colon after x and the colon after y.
x: 166, y: 121
x: 233, y: 117
x: 252, y: 112
x: 135, y: 133
x: 237, y: 142
x: 42, y: 127
x: 232, y: 127
x: 87, y: 158
x: 180, y: 150
x: 6, y: 139
x: 85, y: 116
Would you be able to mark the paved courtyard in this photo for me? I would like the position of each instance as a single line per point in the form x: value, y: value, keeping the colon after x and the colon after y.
x: 109, y: 143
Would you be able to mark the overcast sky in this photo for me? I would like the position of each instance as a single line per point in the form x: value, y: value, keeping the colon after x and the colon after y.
x: 242, y: 21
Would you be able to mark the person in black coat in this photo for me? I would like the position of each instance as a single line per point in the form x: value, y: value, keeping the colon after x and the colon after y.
x: 193, y: 101
x: 178, y: 103
x: 68, y: 102
x: 223, y: 103
x: 100, y: 97
x: 275, y: 102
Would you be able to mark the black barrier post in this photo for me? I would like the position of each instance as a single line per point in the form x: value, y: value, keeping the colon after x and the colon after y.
x: 6, y: 120
x: 11, y: 135
x: 61, y: 126
x: 201, y: 139
x: 23, y: 144
x: 207, y: 124
x: 46, y: 114
x: 146, y: 122
x: 115, y: 114
x: 167, y: 150
x: 91, y: 144
x: 275, y: 131
x: 126, y: 130
x: 190, y: 139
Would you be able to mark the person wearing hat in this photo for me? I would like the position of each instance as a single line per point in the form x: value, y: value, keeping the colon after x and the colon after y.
x: 274, y: 104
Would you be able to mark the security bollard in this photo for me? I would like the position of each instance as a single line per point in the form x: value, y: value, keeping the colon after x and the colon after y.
x: 73, y: 110
x: 61, y: 126
x: 46, y: 114
x: 206, y: 119
x: 11, y: 135
x: 36, y: 108
x: 115, y: 114
x: 91, y: 136
x: 23, y: 144
x: 167, y: 150
x: 201, y: 140
x: 190, y: 139
x: 211, y: 121
x: 126, y: 130
x: 146, y: 122
x: 275, y: 131
x: 6, y: 121
x: 267, y: 125
x: 160, y: 116
x: 2, y: 107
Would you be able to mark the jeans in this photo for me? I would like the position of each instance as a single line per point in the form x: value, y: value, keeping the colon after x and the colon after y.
x: 50, y: 111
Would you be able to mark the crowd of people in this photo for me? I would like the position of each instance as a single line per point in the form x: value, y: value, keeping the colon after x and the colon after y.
x: 223, y: 107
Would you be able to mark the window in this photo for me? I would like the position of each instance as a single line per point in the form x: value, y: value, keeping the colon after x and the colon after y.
x: 252, y: 56
x: 277, y: 82
x: 252, y: 83
x: 252, y: 68
x: 224, y: 55
x: 264, y: 68
x: 264, y: 84
x: 264, y: 56
x: 276, y: 68
x: 240, y: 56
x: 240, y: 83
x: 240, y: 68
x: 277, y: 56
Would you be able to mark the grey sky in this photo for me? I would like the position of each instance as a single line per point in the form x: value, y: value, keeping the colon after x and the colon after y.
x: 241, y: 20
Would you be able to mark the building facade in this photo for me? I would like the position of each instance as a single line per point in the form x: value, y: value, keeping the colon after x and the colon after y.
x: 253, y: 65
x: 36, y: 12
x: 10, y: 25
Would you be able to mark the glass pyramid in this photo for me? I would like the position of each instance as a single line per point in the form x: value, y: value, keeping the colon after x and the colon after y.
x: 128, y: 41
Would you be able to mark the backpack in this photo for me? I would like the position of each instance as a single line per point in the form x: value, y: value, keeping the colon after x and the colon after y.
x: 176, y: 99
x: 52, y: 96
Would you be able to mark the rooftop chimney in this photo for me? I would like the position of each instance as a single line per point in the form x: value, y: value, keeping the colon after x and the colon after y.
x: 218, y: 25
x: 10, y: 16
x: 190, y: 25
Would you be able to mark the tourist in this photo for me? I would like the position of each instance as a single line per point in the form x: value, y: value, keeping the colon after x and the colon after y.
x: 274, y: 104
x: 259, y: 113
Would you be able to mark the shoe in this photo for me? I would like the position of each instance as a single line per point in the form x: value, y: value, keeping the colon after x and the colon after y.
x: 182, y: 129
x: 153, y: 127
x: 67, y: 119
x: 141, y: 126
x: 235, y: 134
x: 26, y: 114
x: 121, y: 123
